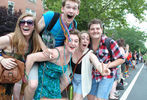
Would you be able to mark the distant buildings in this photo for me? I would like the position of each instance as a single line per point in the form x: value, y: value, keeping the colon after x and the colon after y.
x: 32, y: 6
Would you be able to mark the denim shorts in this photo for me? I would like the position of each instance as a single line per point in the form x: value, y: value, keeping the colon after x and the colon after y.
x: 77, y: 84
x: 102, y: 88
x: 33, y: 75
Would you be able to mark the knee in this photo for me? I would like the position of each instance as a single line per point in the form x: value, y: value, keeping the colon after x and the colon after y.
x: 33, y: 85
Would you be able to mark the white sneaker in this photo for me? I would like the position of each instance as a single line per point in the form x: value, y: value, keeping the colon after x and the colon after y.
x: 117, y: 93
x: 125, y: 83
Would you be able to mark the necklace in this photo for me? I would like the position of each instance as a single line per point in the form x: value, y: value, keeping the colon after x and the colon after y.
x: 66, y: 74
x: 65, y: 29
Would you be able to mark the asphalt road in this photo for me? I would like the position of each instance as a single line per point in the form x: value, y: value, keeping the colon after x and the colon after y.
x: 137, y: 84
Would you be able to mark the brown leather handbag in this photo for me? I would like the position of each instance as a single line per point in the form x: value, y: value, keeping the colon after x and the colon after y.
x: 12, y: 75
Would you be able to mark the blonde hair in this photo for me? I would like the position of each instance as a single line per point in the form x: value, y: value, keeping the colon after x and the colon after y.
x: 18, y: 40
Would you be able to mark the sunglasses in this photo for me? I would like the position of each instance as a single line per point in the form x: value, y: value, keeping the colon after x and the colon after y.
x: 29, y: 22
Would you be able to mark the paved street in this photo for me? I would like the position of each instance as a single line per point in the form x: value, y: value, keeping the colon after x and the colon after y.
x: 137, y: 87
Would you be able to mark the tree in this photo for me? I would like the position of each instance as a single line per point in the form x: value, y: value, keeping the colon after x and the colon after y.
x: 8, y: 21
x: 132, y: 36
x: 111, y: 12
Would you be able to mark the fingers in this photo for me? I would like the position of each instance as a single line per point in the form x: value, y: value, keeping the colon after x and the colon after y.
x: 105, y: 69
x: 47, y: 53
x: 108, y: 64
x: 102, y: 68
x: 9, y: 63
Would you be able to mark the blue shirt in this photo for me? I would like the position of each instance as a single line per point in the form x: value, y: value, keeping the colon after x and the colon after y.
x: 56, y: 31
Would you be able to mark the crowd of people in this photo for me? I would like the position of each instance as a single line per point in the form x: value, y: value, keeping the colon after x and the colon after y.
x: 49, y: 53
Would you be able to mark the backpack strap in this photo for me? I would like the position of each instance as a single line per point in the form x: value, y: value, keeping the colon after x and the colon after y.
x: 52, y: 22
x: 107, y: 43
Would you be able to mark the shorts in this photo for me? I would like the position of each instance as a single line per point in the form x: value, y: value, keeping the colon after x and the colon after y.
x: 102, y: 88
x: 77, y: 84
x: 33, y: 75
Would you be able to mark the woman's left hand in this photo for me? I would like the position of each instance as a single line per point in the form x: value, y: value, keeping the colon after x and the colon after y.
x: 105, y: 70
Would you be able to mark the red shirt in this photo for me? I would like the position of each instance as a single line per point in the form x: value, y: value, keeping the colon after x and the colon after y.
x: 129, y: 56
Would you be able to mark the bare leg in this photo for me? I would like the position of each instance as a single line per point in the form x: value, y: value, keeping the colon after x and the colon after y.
x: 32, y: 83
x: 91, y: 97
x: 113, y: 90
x: 77, y: 97
x: 16, y: 90
x: 30, y: 89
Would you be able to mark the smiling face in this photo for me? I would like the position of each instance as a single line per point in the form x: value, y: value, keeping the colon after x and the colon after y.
x: 73, y: 44
x: 70, y: 11
x: 27, y: 26
x: 95, y: 31
x: 85, y: 40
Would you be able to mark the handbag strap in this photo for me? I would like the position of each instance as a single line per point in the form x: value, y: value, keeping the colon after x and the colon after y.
x: 77, y: 63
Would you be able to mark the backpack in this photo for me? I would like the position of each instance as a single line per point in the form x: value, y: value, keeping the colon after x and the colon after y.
x: 107, y: 43
x: 47, y: 37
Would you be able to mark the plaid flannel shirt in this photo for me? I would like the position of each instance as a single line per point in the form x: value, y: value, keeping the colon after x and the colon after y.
x: 104, y: 56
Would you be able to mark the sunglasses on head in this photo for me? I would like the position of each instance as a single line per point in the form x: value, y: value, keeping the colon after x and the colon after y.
x: 29, y: 22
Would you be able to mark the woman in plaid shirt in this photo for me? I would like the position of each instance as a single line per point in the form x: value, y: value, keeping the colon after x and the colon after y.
x: 101, y: 85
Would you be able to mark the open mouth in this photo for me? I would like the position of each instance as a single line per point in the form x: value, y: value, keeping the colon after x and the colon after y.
x: 70, y: 16
x: 84, y: 45
x: 72, y: 48
x: 26, y: 29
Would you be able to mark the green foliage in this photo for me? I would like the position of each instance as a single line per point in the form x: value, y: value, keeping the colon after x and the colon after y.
x: 132, y: 36
x: 111, y: 12
x: 54, y: 5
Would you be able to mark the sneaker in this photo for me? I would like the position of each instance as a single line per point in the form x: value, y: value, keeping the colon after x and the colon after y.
x: 117, y: 93
x: 125, y: 84
x: 123, y: 78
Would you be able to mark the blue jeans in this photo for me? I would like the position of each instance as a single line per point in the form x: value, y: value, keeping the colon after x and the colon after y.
x: 102, y: 88
x: 77, y: 84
